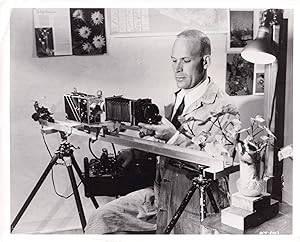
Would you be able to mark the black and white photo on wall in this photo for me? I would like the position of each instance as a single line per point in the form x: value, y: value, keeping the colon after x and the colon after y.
x: 239, y: 75
x: 241, y: 29
x: 65, y: 31
x: 88, y: 31
x: 259, y: 83
x: 259, y: 79
x: 44, y: 42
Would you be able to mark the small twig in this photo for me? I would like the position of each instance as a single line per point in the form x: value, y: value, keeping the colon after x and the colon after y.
x: 193, y: 125
x: 223, y: 132
x: 190, y: 129
x: 228, y: 124
x: 214, y: 124
x: 257, y: 133
x: 255, y: 129
x: 252, y: 124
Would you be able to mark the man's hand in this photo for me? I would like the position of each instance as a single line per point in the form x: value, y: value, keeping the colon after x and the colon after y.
x: 164, y: 130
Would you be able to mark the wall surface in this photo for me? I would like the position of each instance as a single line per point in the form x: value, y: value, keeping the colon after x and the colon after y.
x: 135, y: 67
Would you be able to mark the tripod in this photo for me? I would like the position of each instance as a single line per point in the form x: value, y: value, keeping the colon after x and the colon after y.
x: 202, y: 184
x: 65, y: 153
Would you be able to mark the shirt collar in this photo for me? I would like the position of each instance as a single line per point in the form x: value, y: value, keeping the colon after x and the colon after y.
x: 191, y: 95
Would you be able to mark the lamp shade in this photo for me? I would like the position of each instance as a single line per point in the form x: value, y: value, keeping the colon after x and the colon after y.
x: 260, y: 50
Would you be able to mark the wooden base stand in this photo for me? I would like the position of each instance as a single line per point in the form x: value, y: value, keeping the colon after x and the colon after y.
x: 246, y: 212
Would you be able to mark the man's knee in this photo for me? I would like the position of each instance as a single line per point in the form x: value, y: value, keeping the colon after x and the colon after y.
x: 100, y: 220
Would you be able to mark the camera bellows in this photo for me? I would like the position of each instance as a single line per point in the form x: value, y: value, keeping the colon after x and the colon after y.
x: 132, y: 111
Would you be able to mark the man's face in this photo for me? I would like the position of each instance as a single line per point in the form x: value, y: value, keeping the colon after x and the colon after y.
x: 187, y: 63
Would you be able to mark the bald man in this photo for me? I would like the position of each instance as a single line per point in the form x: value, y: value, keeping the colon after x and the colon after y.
x: 152, y: 209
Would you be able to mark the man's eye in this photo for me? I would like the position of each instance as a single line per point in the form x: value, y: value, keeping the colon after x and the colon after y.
x: 187, y: 60
x: 174, y: 60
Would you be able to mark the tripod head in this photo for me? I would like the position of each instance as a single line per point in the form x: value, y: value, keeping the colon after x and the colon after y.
x: 199, y: 179
x: 65, y: 149
x: 199, y: 169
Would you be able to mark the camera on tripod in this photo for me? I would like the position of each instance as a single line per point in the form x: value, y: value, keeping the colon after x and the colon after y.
x: 131, y: 111
x: 84, y: 108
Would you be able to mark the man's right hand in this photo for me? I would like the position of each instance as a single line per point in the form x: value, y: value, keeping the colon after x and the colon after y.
x: 163, y: 131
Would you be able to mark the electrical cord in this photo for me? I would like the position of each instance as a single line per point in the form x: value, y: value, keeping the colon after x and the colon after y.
x: 47, y: 147
x: 52, y: 171
x: 98, y: 158
x: 90, y: 148
x: 114, y: 149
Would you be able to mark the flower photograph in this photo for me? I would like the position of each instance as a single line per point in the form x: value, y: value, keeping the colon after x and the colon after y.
x: 239, y: 75
x: 88, y: 31
x: 44, y: 42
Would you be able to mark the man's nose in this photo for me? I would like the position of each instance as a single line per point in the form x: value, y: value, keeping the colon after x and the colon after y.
x: 178, y: 67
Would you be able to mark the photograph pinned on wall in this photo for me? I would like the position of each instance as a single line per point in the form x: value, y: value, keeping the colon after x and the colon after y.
x: 241, y: 29
x: 259, y: 80
x: 239, y: 75
x: 52, y: 31
x: 88, y: 31
x: 44, y: 42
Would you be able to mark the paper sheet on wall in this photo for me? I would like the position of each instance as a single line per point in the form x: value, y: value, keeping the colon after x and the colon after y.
x: 52, y: 31
x: 129, y: 20
x: 159, y: 21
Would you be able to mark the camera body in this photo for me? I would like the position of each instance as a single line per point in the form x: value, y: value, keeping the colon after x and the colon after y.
x: 131, y: 111
x: 83, y: 108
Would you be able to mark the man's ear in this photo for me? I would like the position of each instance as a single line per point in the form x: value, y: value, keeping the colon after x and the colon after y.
x: 206, y: 61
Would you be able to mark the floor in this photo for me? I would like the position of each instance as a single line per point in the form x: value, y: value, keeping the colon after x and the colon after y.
x: 282, y: 222
x: 72, y: 231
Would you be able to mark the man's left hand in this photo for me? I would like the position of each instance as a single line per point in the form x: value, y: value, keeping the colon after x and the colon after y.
x: 164, y: 130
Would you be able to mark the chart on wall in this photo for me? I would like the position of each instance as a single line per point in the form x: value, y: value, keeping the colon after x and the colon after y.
x: 166, y: 20
x: 79, y: 31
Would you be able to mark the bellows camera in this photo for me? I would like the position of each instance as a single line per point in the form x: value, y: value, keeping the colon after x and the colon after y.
x: 132, y: 111
x: 84, y: 108
x: 87, y: 109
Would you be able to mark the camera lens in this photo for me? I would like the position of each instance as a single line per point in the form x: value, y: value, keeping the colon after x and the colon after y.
x: 151, y: 113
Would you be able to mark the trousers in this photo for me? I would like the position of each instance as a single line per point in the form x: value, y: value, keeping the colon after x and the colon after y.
x: 134, y: 212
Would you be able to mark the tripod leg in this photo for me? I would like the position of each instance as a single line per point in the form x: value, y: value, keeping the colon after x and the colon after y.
x: 202, y: 203
x: 79, y: 172
x: 76, y: 195
x: 181, y: 208
x: 34, y: 191
x: 212, y: 200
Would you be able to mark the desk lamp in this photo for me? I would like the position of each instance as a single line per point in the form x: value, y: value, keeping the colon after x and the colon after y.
x: 261, y: 50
